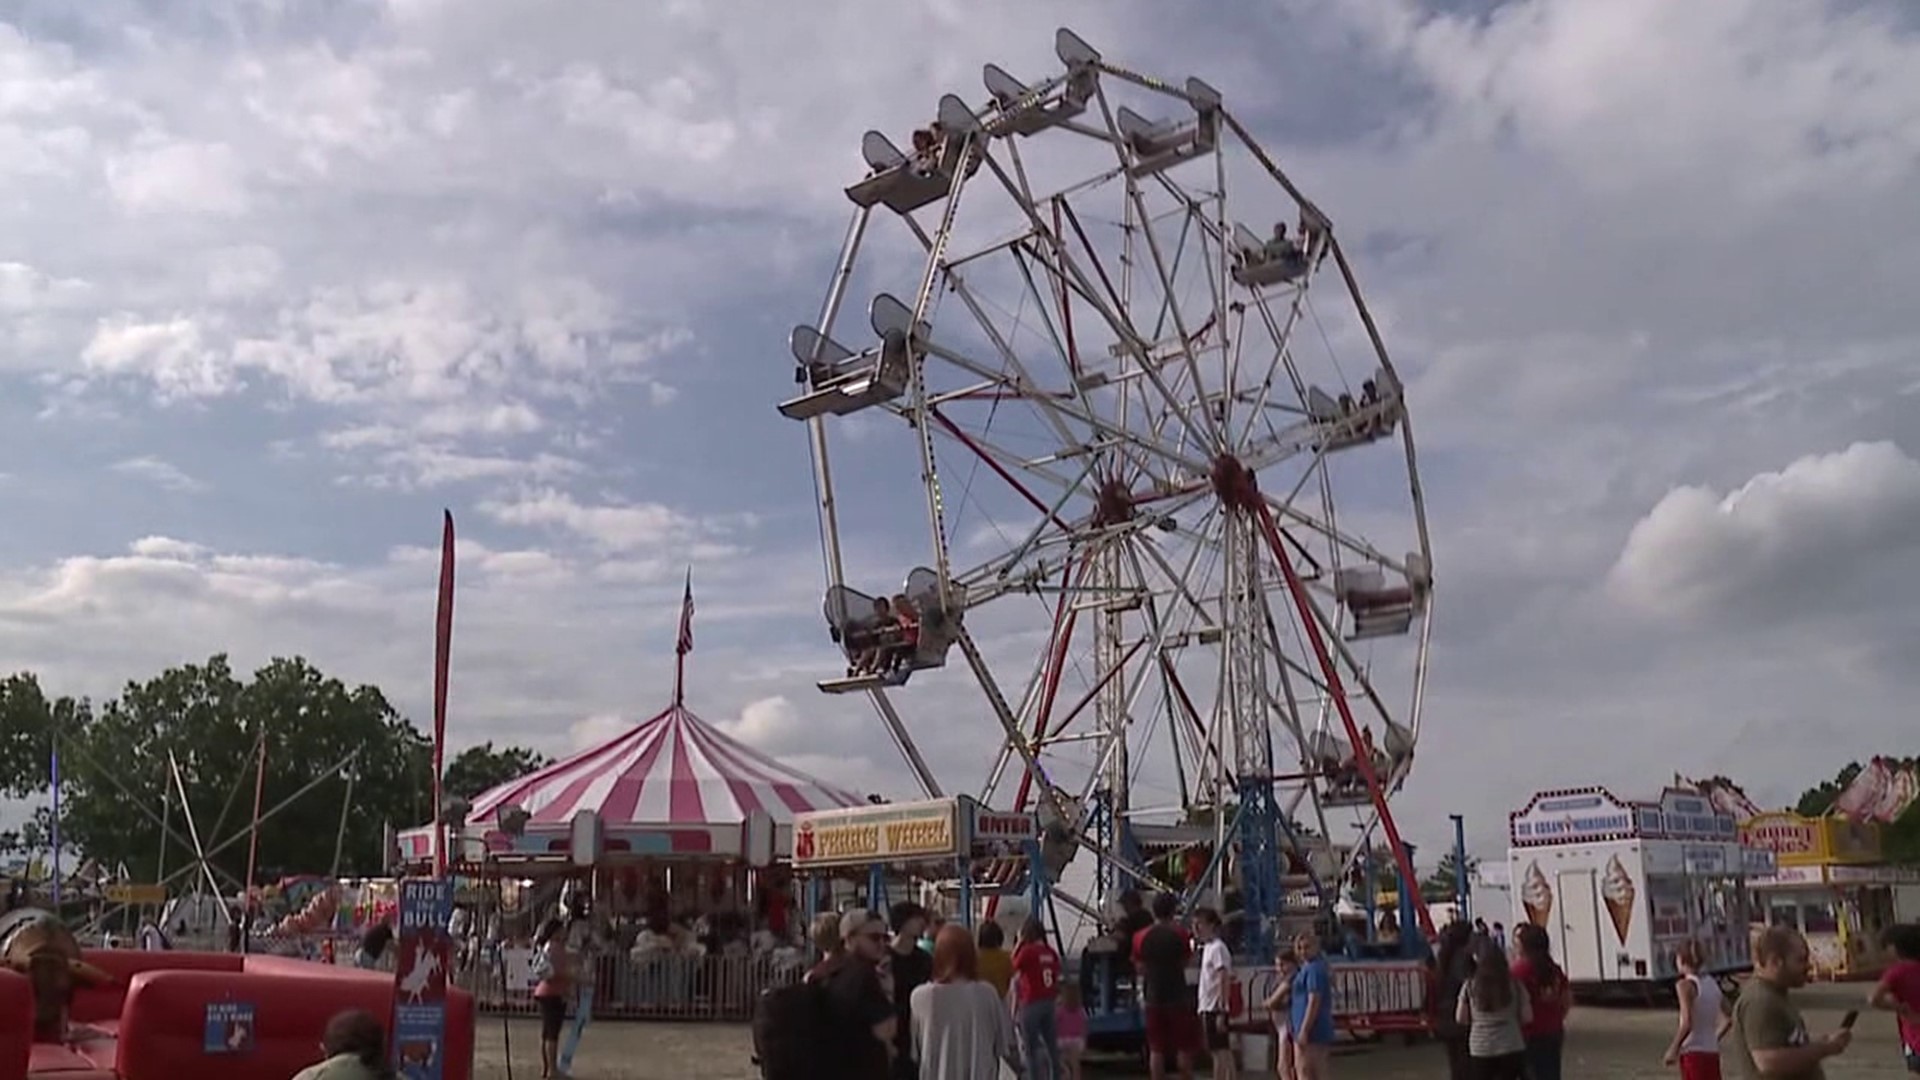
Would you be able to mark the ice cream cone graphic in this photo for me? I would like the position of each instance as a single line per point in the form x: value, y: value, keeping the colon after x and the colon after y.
x: 1616, y: 888
x: 1536, y: 895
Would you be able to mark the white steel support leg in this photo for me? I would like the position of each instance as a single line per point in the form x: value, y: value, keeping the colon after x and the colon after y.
x: 904, y: 740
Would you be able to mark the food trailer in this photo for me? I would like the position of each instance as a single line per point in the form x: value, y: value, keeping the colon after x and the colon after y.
x: 1619, y: 885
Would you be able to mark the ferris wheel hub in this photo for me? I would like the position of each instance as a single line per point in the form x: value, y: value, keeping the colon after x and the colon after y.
x: 1234, y: 483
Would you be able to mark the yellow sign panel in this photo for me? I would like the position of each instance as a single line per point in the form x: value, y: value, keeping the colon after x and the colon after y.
x: 129, y: 893
x: 911, y: 832
x: 1845, y: 841
x: 1805, y: 841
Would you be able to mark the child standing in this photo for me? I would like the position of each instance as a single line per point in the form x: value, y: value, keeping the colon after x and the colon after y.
x: 1070, y: 1028
x: 1704, y: 1018
x: 1280, y: 1004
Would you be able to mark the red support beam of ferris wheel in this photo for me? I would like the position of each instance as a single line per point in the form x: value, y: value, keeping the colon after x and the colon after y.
x: 998, y: 469
x: 1064, y: 618
x: 1243, y: 495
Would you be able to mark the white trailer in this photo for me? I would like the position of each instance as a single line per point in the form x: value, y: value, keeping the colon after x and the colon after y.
x: 1618, y: 885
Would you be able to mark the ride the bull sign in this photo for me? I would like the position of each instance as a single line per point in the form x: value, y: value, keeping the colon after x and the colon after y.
x: 420, y: 978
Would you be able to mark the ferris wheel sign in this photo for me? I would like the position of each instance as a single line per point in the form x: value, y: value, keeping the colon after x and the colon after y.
x: 914, y: 832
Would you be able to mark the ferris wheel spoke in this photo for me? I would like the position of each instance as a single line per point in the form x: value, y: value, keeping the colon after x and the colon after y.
x: 909, y: 751
x: 1009, y: 724
x: 1172, y: 310
x: 1050, y: 405
x: 1069, y: 269
x: 1137, y: 205
x: 1048, y: 670
x: 1002, y: 462
x: 1008, y: 356
x: 1353, y: 545
x: 1280, y: 363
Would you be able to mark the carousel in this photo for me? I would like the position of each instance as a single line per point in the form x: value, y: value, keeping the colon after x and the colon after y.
x: 680, y: 835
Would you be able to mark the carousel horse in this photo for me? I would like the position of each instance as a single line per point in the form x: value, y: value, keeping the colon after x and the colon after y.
x: 38, y: 945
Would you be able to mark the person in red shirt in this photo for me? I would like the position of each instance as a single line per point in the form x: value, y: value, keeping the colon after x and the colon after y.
x: 1160, y: 955
x: 1036, y: 990
x: 1551, y: 996
x: 1898, y: 990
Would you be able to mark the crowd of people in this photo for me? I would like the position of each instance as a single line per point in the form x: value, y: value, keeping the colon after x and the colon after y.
x: 906, y: 997
x: 1504, y: 1018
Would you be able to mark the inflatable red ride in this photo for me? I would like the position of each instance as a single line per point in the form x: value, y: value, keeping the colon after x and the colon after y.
x: 208, y: 1016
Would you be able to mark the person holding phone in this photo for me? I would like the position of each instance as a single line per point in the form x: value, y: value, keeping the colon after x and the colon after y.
x: 1770, y: 1036
x: 1704, y: 1018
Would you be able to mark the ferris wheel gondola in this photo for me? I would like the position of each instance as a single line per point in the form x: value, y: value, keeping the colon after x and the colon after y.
x: 1076, y: 325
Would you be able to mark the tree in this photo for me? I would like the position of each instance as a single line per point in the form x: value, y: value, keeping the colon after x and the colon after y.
x: 1440, y: 885
x: 116, y: 763
x: 1817, y: 800
x: 1899, y: 839
x: 27, y: 721
x: 479, y: 769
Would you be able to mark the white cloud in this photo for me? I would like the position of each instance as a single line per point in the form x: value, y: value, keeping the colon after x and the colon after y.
x: 167, y: 177
x: 24, y: 289
x: 159, y: 473
x: 633, y: 528
x: 591, y: 731
x: 243, y: 273
x: 166, y: 547
x: 173, y: 354
x: 1822, y: 524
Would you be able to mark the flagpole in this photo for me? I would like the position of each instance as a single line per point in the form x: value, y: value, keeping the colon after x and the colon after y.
x: 683, y: 644
x: 56, y: 823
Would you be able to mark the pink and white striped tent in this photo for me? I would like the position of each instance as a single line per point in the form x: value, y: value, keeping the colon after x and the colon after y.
x: 672, y: 786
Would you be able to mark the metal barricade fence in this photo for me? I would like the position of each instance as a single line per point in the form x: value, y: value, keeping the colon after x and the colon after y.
x: 660, y: 986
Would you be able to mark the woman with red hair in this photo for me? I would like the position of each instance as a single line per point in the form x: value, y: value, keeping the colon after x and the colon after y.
x: 962, y: 1029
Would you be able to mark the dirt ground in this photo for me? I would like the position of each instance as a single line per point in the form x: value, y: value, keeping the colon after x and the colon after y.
x: 1602, y: 1044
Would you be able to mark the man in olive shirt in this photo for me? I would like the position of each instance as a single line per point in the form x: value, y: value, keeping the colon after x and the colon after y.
x: 1769, y: 1039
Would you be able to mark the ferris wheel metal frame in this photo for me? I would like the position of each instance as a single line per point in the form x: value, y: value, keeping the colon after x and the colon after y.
x: 1186, y: 453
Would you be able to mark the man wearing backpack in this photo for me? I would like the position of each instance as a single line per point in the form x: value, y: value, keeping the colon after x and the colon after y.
x: 864, y: 1020
x: 839, y: 1022
x: 909, y: 966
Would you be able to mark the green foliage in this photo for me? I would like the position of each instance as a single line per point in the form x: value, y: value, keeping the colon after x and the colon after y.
x: 213, y: 724
x: 1899, y: 840
x: 116, y: 771
x: 27, y: 720
x: 1439, y: 886
x: 1819, y: 799
x: 479, y: 769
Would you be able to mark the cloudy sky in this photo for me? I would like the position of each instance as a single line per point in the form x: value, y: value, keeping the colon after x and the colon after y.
x: 280, y: 279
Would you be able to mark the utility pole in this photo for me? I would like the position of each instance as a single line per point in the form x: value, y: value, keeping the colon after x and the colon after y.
x: 1462, y: 888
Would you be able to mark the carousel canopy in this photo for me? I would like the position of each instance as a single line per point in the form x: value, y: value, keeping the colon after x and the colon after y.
x: 675, y: 769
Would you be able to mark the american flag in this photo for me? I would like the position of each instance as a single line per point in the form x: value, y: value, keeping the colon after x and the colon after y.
x: 685, y: 644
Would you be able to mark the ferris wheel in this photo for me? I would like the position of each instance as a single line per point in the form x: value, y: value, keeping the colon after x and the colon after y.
x: 1175, y: 538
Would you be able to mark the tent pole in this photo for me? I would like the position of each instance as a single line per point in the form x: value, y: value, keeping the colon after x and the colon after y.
x: 340, y: 837
x: 253, y: 842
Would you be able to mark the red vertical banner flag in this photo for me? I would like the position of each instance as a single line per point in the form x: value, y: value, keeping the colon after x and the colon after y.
x: 442, y: 659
